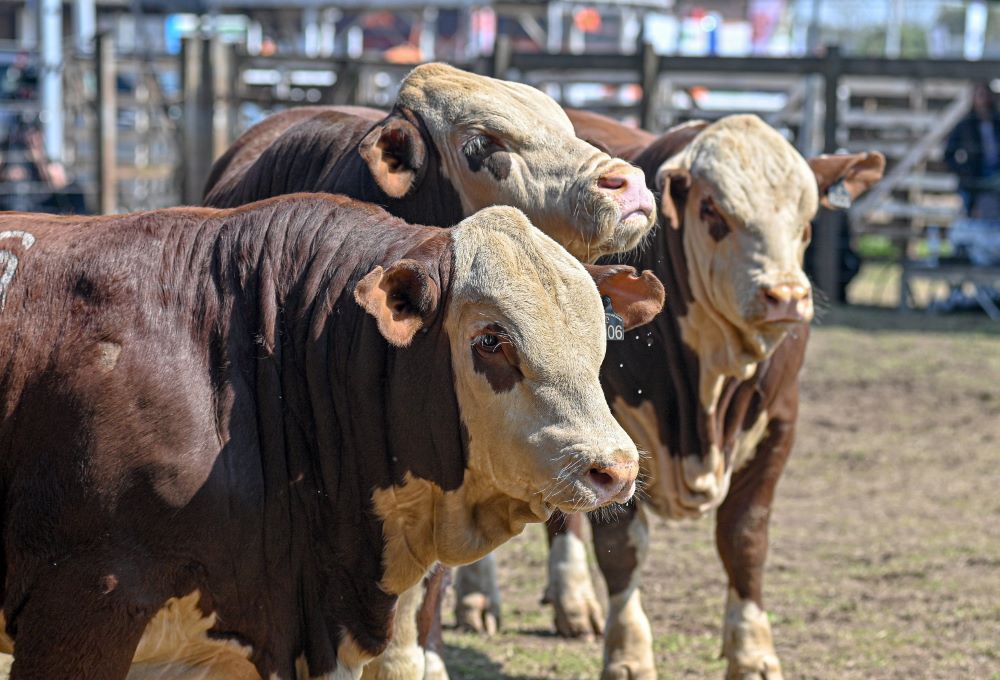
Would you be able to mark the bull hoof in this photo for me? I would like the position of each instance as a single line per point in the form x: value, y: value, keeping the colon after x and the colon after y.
x: 396, y: 664
x: 747, y: 643
x: 477, y: 597
x: 434, y: 668
x: 627, y: 670
x: 477, y: 614
x: 570, y: 590
x: 764, y: 668
x: 578, y: 614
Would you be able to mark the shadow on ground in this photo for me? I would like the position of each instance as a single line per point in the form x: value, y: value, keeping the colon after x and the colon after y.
x: 475, y: 665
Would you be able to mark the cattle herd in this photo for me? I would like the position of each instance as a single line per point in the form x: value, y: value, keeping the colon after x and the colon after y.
x: 236, y: 440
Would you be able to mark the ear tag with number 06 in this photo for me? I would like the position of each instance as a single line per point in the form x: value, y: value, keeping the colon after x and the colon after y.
x: 614, y: 326
x: 839, y: 196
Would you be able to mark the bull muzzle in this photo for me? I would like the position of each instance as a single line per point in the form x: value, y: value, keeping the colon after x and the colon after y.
x: 626, y: 187
x: 786, y: 303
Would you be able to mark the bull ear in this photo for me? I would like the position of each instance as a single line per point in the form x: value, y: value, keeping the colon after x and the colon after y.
x: 842, y: 178
x: 636, y: 298
x: 396, y: 154
x: 676, y: 138
x: 402, y: 299
x: 673, y: 184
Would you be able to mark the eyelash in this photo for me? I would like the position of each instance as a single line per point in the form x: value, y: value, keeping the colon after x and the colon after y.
x: 480, y: 145
x: 479, y: 342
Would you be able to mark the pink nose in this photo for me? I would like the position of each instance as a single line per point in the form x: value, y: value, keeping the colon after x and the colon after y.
x: 787, y: 303
x: 628, y: 189
x: 614, y: 483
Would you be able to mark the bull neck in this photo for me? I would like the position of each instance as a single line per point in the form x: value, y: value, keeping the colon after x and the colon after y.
x: 330, y: 410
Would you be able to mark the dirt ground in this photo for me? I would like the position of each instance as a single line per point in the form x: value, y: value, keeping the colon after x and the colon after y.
x: 885, y: 538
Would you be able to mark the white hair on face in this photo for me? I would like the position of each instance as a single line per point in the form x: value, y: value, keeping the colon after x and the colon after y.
x: 449, y: 95
x: 751, y: 167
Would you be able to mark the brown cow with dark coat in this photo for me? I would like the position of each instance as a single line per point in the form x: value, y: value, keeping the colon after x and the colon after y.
x: 229, y: 439
x: 710, y: 388
x: 454, y: 142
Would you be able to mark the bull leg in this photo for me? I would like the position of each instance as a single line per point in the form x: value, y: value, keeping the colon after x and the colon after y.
x: 477, y: 596
x: 429, y: 623
x: 403, y: 659
x: 75, y: 626
x: 570, y: 590
x: 622, y: 544
x: 741, y: 538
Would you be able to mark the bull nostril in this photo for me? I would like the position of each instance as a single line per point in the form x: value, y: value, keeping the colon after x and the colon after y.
x: 772, y: 296
x: 786, y: 302
x: 782, y: 295
x: 612, y: 182
x: 600, y: 478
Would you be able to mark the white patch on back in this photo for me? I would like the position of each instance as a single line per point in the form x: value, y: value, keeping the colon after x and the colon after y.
x: 9, y: 261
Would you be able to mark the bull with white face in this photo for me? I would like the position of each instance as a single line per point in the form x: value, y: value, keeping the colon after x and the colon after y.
x: 453, y: 143
x: 709, y: 388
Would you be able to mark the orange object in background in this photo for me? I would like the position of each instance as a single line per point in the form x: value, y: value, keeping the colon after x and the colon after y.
x: 404, y: 54
x: 588, y: 20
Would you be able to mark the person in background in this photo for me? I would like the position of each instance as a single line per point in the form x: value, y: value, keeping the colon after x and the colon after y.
x: 973, y: 153
x: 23, y: 162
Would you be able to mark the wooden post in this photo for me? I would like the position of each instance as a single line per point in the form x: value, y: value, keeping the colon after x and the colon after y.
x: 826, y: 234
x: 832, y: 70
x: 223, y: 90
x: 502, y: 50
x: 107, y: 131
x: 196, y: 84
x: 649, y: 78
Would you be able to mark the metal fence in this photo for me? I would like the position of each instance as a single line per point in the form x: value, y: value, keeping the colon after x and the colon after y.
x: 142, y: 132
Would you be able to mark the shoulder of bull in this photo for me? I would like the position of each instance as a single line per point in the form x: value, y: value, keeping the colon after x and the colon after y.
x: 255, y: 298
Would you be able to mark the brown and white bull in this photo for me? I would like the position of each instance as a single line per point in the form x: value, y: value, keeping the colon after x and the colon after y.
x: 229, y: 439
x: 454, y: 142
x: 710, y: 388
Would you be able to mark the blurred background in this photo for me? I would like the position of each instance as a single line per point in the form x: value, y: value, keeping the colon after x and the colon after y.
x: 885, y: 556
x: 118, y: 105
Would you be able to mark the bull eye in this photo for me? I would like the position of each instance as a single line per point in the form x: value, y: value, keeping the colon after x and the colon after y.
x: 495, y: 358
x: 492, y: 342
x: 488, y: 342
x: 718, y: 229
x: 481, y: 146
x: 707, y: 210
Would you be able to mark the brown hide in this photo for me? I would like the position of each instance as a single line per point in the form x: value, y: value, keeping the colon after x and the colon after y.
x: 328, y: 149
x: 192, y: 400
x: 609, y: 135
